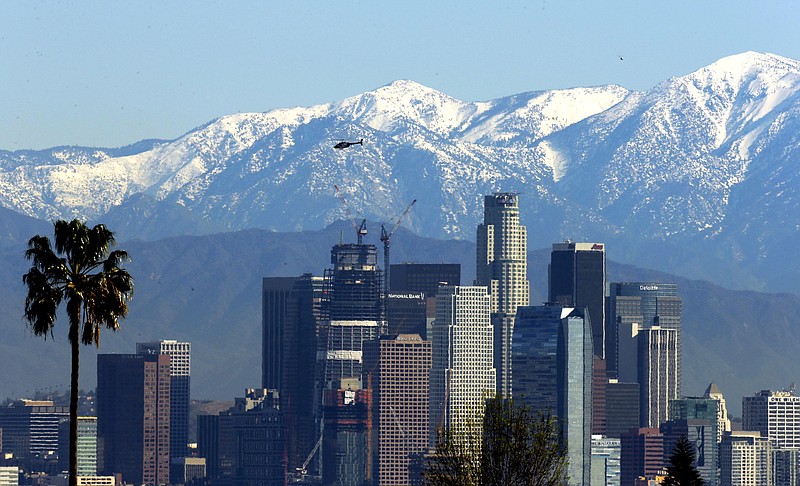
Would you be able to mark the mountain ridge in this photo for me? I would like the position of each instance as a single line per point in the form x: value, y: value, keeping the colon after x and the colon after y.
x: 701, y: 163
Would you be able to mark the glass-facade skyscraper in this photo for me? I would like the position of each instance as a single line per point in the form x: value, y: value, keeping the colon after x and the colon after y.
x: 577, y: 278
x: 552, y: 359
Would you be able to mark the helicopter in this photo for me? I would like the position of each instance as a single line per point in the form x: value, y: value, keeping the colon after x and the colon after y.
x: 344, y: 144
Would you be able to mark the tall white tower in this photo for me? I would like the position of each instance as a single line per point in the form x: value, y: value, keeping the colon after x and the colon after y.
x: 502, y: 266
x: 462, y: 375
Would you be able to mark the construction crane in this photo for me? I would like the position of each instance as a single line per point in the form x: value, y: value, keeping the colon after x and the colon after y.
x: 361, y: 230
x: 386, y: 237
x: 302, y: 471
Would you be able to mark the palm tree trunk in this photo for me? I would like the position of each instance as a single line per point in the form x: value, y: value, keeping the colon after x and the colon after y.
x: 73, y: 414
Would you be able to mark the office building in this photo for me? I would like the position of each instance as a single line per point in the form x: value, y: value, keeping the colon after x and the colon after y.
x: 30, y: 427
x: 190, y: 469
x: 9, y: 475
x: 291, y: 314
x: 208, y: 443
x: 407, y: 313
x: 642, y: 454
x: 599, y: 390
x: 424, y: 277
x: 502, y: 266
x: 577, y: 278
x: 723, y: 423
x: 180, y: 354
x: 347, y: 441
x: 133, y: 416
x: 552, y: 353
x: 785, y: 467
x: 622, y: 410
x: 402, y: 365
x: 659, y: 373
x: 87, y: 446
x: 462, y: 372
x: 632, y: 306
x: 255, y: 426
x: 695, y: 419
x: 744, y: 459
x: 605, y: 461
x: 776, y: 415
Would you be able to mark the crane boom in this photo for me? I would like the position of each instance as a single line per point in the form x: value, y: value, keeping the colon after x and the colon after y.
x: 386, y: 237
x: 361, y: 230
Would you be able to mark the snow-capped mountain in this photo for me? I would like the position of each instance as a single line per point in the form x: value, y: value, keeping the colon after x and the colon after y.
x: 701, y: 164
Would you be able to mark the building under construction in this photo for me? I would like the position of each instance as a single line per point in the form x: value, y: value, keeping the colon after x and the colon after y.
x: 354, y: 286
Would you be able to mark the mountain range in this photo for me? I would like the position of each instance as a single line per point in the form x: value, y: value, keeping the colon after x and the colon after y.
x: 695, y: 178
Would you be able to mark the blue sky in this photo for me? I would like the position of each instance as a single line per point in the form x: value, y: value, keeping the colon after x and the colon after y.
x: 109, y: 73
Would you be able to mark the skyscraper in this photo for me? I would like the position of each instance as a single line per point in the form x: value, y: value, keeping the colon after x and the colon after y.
x: 633, y: 306
x: 133, y: 416
x: 577, y: 277
x: 87, y: 446
x: 659, y: 373
x: 402, y: 365
x: 180, y: 354
x: 462, y: 371
x: 502, y: 266
x: 291, y: 313
x: 552, y: 353
x: 776, y: 415
x: 723, y: 423
x: 696, y: 419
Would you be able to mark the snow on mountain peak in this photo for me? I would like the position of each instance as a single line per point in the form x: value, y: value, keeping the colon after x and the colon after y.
x: 404, y: 101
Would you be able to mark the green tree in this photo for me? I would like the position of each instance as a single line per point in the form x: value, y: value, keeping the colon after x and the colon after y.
x: 681, y: 470
x: 82, y: 272
x: 515, y: 446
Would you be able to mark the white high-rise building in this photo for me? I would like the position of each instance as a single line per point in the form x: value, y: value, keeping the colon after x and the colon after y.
x: 723, y: 423
x: 659, y: 373
x: 502, y: 266
x: 744, y: 459
x: 462, y: 373
x: 776, y: 415
x: 180, y: 354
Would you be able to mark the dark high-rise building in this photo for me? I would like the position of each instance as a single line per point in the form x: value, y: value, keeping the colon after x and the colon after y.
x: 632, y: 305
x: 554, y: 340
x: 622, y: 407
x: 180, y: 354
x: 208, y: 443
x: 424, y: 277
x: 291, y: 313
x: 577, y: 278
x: 406, y: 313
x: 133, y: 416
x: 502, y: 266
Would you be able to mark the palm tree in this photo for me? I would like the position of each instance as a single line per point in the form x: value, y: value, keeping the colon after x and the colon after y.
x: 82, y: 272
